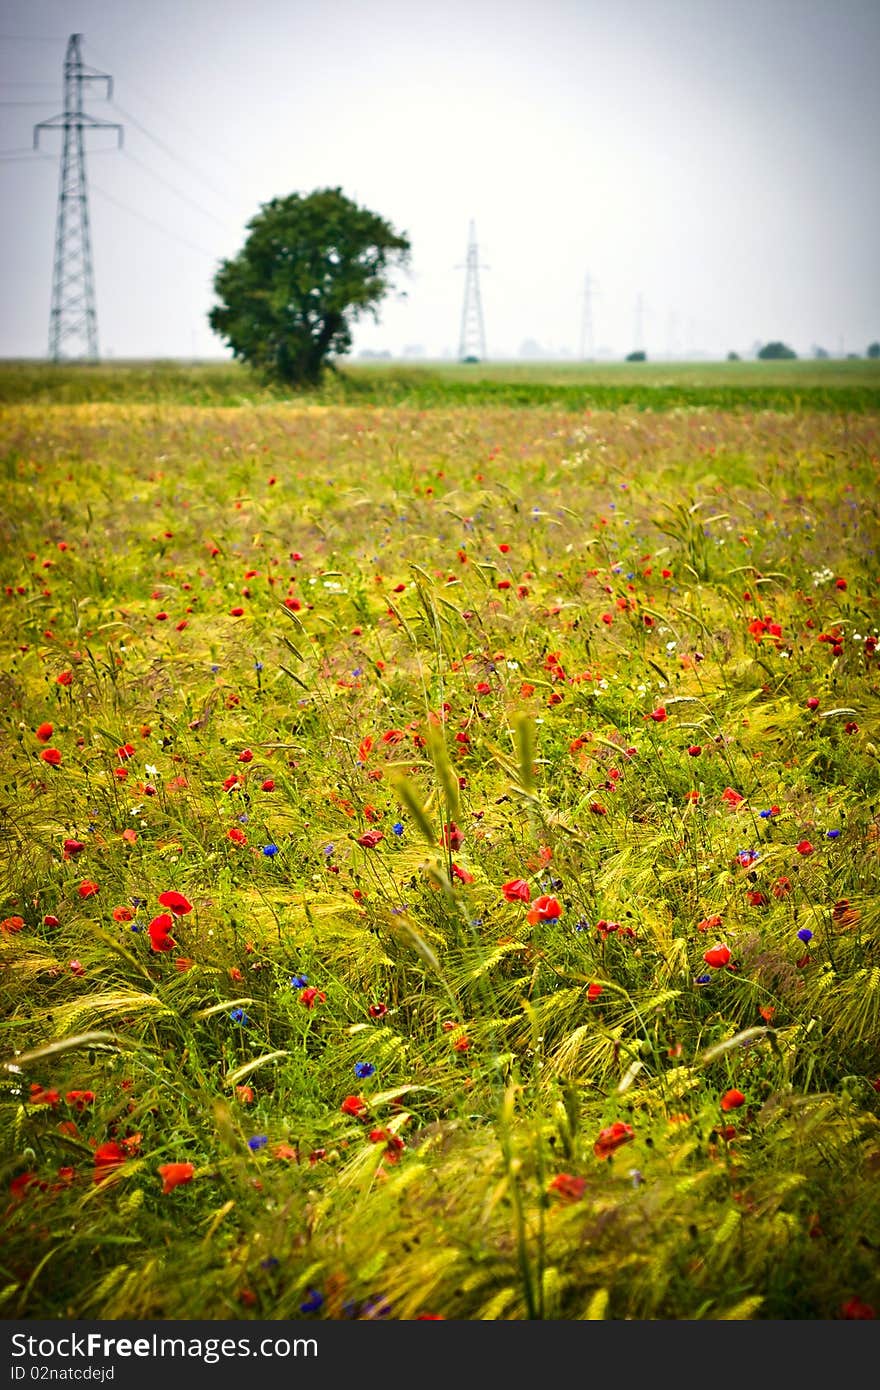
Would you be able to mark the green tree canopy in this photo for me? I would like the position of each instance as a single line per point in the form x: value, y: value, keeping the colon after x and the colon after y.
x: 773, y: 352
x: 311, y: 265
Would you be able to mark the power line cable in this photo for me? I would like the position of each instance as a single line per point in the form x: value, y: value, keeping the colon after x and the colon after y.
x: 175, y: 121
x: 176, y: 191
x: 166, y: 149
x: 150, y: 222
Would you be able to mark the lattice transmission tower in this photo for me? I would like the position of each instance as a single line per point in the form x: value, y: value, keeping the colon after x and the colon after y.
x: 73, y: 318
x: 472, y: 343
x: 587, y: 344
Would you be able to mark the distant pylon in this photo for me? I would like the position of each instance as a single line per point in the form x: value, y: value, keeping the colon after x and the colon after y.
x: 587, y: 348
x: 472, y: 343
x: 73, y: 315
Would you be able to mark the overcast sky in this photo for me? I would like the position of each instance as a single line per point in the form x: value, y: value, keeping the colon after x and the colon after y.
x: 718, y: 158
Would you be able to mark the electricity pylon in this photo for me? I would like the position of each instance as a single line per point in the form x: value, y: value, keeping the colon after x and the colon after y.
x: 472, y: 343
x: 73, y: 315
x: 587, y: 347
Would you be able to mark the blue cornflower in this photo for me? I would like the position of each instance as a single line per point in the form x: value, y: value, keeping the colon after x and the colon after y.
x: 702, y: 979
x: 581, y: 925
x: 312, y: 1303
x: 832, y: 834
x: 376, y: 1307
x: 805, y: 934
x: 358, y: 671
x: 258, y: 1141
x: 215, y: 669
x: 363, y: 1069
x: 397, y: 827
x: 258, y: 665
x: 239, y: 1016
x: 270, y: 851
x: 138, y: 902
x: 298, y: 981
x: 328, y: 850
x: 269, y: 1263
x: 747, y: 856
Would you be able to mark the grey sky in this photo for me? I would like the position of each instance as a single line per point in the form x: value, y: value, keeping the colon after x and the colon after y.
x: 718, y: 157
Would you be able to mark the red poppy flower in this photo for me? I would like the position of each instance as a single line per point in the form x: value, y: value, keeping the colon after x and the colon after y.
x: 286, y: 1151
x: 594, y: 991
x: 44, y: 732
x: 782, y: 887
x: 173, y: 1174
x: 245, y: 756
x: 544, y: 909
x: 732, y: 1100
x: 453, y: 838
x: 658, y: 714
x: 51, y: 756
x: 123, y: 914
x: 267, y: 786
x: 517, y: 890
x: 854, y: 1307
x: 311, y: 996
x: 49, y: 921
x: 125, y: 752
x: 695, y: 749
x: 10, y: 925
x: 840, y: 583
x: 236, y: 612
x: 370, y: 839
x: 237, y: 836
x: 570, y: 1188
x: 731, y: 797
x: 71, y: 847
x: 87, y: 889
x: 40, y: 1096
x: 175, y: 902
x: 610, y: 1139
x: 804, y: 847
x: 709, y: 923
x: 19, y: 1186
x: 64, y: 678
x: 108, y: 1158
x: 717, y: 956
x: 377, y: 1010
x: 158, y: 932
x: 245, y: 1094
x: 354, y: 1105
x: 80, y: 1099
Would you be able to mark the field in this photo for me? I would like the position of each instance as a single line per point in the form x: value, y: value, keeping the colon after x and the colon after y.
x: 441, y: 843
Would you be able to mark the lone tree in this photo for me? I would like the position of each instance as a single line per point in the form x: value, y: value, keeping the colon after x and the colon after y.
x: 774, y: 352
x: 309, y: 268
x: 873, y: 350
